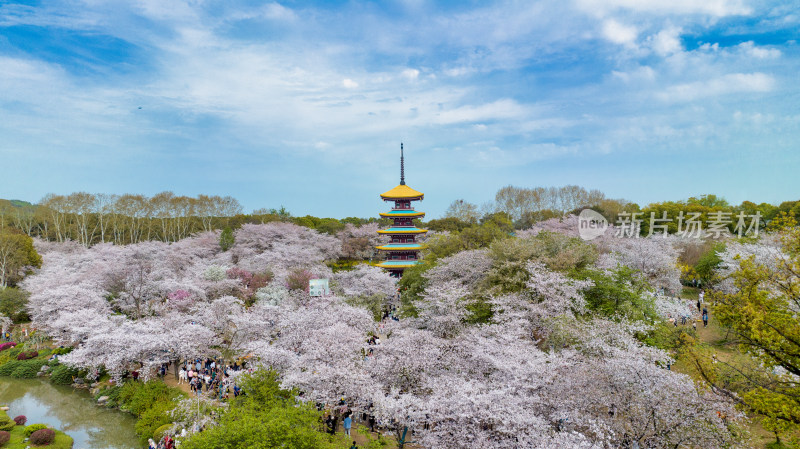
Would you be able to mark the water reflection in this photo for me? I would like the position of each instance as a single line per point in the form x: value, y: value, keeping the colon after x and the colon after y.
x: 70, y: 410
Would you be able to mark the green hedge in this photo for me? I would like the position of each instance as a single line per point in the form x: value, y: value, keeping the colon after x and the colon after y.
x: 63, y: 375
x: 27, y: 369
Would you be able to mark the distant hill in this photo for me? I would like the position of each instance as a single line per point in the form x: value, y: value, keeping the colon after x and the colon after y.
x: 19, y: 203
x: 15, y: 203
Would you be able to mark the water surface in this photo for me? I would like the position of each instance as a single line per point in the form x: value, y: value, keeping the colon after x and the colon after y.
x: 71, y: 411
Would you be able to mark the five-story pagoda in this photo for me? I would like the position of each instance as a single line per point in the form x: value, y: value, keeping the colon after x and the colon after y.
x: 402, y: 251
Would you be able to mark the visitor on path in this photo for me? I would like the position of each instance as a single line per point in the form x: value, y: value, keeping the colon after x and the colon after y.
x: 151, y: 444
x: 698, y: 304
x: 182, y: 376
x: 348, y: 422
x: 354, y: 446
x: 694, y: 324
x: 705, y: 317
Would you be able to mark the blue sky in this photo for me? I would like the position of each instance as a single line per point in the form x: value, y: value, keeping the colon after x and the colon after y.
x: 304, y: 104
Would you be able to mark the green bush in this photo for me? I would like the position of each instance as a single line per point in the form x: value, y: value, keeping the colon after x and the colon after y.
x: 137, y: 397
x: 113, y: 395
x: 62, y: 351
x: 63, y: 375
x: 7, y: 368
x: 33, y: 428
x: 27, y: 369
x: 153, y: 419
x: 6, y: 423
x: 161, y: 431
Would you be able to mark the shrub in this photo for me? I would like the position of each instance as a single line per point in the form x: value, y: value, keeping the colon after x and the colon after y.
x: 113, y: 395
x: 154, y: 418
x: 27, y: 355
x: 161, y: 431
x: 43, y: 437
x: 63, y: 375
x: 4, y: 437
x: 214, y: 273
x: 137, y: 397
x: 7, y: 345
x: 7, y: 368
x: 6, y: 424
x: 33, y: 428
x: 62, y: 351
x: 27, y: 369
x: 21, y: 420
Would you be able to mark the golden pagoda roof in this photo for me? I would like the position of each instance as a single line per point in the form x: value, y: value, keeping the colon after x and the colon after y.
x: 402, y: 191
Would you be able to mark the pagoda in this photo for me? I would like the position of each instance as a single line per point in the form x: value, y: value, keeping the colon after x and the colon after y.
x: 402, y: 251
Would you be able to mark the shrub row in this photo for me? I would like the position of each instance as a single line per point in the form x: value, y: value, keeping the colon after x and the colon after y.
x: 22, y: 369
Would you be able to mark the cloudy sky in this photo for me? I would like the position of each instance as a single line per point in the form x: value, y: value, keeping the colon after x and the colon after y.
x: 305, y: 105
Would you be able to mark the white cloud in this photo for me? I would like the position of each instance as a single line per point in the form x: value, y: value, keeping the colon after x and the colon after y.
x: 349, y: 84
x: 728, y: 84
x: 643, y: 73
x: 750, y: 49
x: 666, y: 42
x: 717, y: 8
x: 619, y: 33
x: 410, y: 74
x: 501, y: 109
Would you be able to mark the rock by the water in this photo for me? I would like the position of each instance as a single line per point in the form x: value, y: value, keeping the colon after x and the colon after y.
x: 5, y: 409
x: 103, y: 399
x: 79, y: 381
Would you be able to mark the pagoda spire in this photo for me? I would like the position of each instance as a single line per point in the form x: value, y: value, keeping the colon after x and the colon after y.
x: 402, y: 172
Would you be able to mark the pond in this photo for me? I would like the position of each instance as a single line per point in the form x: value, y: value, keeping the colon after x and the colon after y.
x: 70, y: 410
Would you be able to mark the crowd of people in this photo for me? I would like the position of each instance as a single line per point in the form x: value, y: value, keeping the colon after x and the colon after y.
x: 208, y: 376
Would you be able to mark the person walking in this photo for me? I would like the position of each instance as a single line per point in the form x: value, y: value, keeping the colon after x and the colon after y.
x: 354, y: 446
x: 705, y: 317
x: 348, y: 422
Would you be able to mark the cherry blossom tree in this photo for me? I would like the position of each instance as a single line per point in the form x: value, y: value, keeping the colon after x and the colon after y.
x: 366, y: 280
x: 655, y: 258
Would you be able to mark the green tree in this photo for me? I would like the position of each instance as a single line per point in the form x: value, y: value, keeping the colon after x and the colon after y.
x: 226, y: 239
x: 13, y: 303
x: 16, y: 252
x: 762, y: 313
x: 708, y: 263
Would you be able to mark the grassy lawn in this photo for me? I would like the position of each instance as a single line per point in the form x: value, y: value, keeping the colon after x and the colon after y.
x: 19, y: 441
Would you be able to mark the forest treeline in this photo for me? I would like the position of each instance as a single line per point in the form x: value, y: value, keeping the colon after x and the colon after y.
x: 123, y: 219
x: 130, y: 218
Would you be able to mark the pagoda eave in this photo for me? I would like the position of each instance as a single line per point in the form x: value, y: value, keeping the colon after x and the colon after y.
x: 409, y: 248
x: 392, y: 231
x: 398, y: 264
x: 402, y: 214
